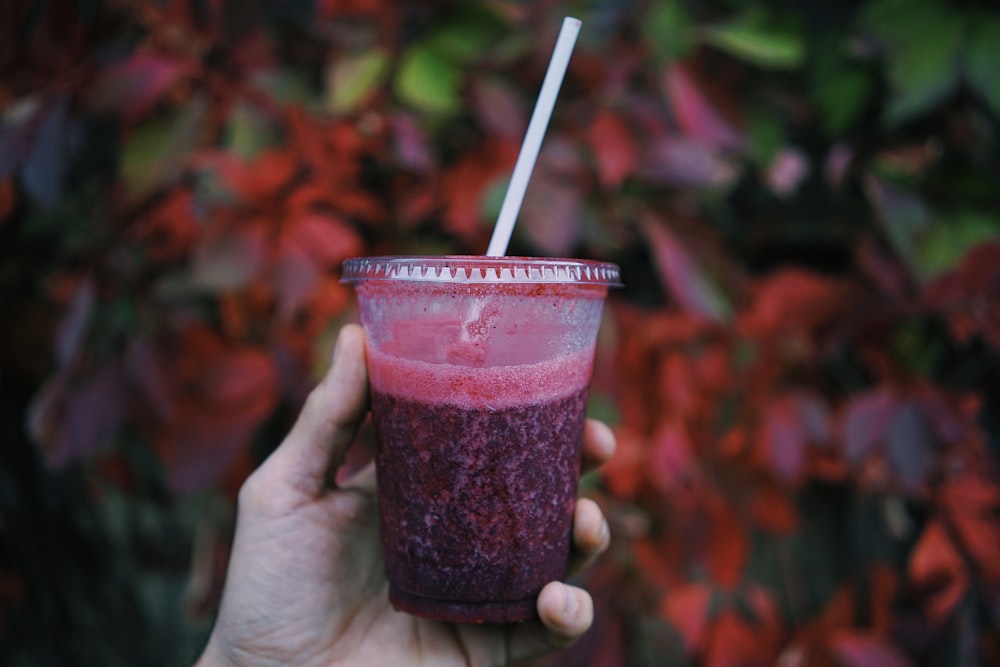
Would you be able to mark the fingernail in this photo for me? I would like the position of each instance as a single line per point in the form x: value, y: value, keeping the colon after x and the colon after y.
x: 569, y: 603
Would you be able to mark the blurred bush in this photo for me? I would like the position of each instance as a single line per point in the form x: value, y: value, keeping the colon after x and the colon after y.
x: 803, y: 369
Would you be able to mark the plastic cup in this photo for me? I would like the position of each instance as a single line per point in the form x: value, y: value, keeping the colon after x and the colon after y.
x: 479, y: 370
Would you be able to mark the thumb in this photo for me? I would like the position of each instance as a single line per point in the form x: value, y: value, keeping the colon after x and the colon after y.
x: 329, y: 420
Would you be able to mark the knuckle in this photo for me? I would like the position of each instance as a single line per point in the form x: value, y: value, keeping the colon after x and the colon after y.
x: 252, y: 495
x: 314, y: 400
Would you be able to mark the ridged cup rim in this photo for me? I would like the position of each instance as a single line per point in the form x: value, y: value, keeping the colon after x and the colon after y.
x: 481, y: 269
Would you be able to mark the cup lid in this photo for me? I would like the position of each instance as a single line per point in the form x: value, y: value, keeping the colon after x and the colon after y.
x: 481, y: 269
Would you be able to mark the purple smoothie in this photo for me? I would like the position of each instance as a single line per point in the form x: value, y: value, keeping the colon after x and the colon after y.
x: 478, y: 470
x: 479, y: 368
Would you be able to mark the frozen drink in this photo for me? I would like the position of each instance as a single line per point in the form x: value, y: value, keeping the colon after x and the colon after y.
x: 479, y: 370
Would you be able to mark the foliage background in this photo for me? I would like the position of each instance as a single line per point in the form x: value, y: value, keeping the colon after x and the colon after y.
x: 803, y: 370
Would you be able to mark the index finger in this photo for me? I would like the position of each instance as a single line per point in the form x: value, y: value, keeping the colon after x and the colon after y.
x: 326, y: 426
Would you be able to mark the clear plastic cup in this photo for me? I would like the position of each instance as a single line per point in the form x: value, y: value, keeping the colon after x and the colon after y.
x: 479, y: 370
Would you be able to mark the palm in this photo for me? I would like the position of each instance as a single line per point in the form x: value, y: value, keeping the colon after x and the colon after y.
x: 334, y: 579
x: 306, y: 584
x: 378, y: 634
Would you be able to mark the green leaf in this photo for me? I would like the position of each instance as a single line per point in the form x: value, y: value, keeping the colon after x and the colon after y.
x: 904, y: 216
x: 248, y: 132
x: 287, y: 86
x: 946, y: 242
x: 492, y: 200
x: 922, y: 42
x: 466, y: 34
x: 982, y: 59
x: 767, y: 135
x: 923, y: 76
x: 667, y: 30
x: 839, y: 88
x: 602, y: 406
x: 157, y: 150
x: 755, y: 40
x: 914, y: 348
x: 428, y: 81
x: 354, y: 78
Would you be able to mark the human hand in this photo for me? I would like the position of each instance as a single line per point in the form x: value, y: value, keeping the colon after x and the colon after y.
x: 306, y: 584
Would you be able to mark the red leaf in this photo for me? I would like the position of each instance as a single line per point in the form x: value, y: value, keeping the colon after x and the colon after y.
x: 772, y: 509
x: 613, y: 148
x: 968, y: 295
x: 259, y: 180
x: 840, y: 609
x: 327, y: 239
x: 465, y: 183
x: 980, y: 268
x: 695, y: 114
x: 624, y: 473
x: 678, y: 384
x: 7, y: 198
x: 682, y: 277
x: 656, y: 562
x: 727, y: 547
x: 217, y: 416
x: 972, y: 504
x: 686, y: 608
x: 866, y: 420
x: 205, y: 400
x: 169, y: 231
x: 136, y: 84
x: 766, y: 621
x: 794, y: 301
x: 765, y: 609
x: 670, y: 460
x: 853, y: 649
x: 883, y: 586
x: 936, y: 567
x: 735, y: 643
x: 714, y: 368
x: 245, y: 379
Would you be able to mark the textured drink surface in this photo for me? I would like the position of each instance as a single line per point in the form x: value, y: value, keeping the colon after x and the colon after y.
x: 472, y: 387
x: 477, y: 500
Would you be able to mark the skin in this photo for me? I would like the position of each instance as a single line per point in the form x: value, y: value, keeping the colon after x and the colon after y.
x: 306, y: 584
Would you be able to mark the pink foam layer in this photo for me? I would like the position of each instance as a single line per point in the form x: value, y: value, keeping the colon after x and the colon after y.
x: 497, y: 387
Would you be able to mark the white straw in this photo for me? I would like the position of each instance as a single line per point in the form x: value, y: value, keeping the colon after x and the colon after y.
x: 533, y: 138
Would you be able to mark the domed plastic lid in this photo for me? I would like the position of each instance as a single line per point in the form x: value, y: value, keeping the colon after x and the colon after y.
x: 481, y: 269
